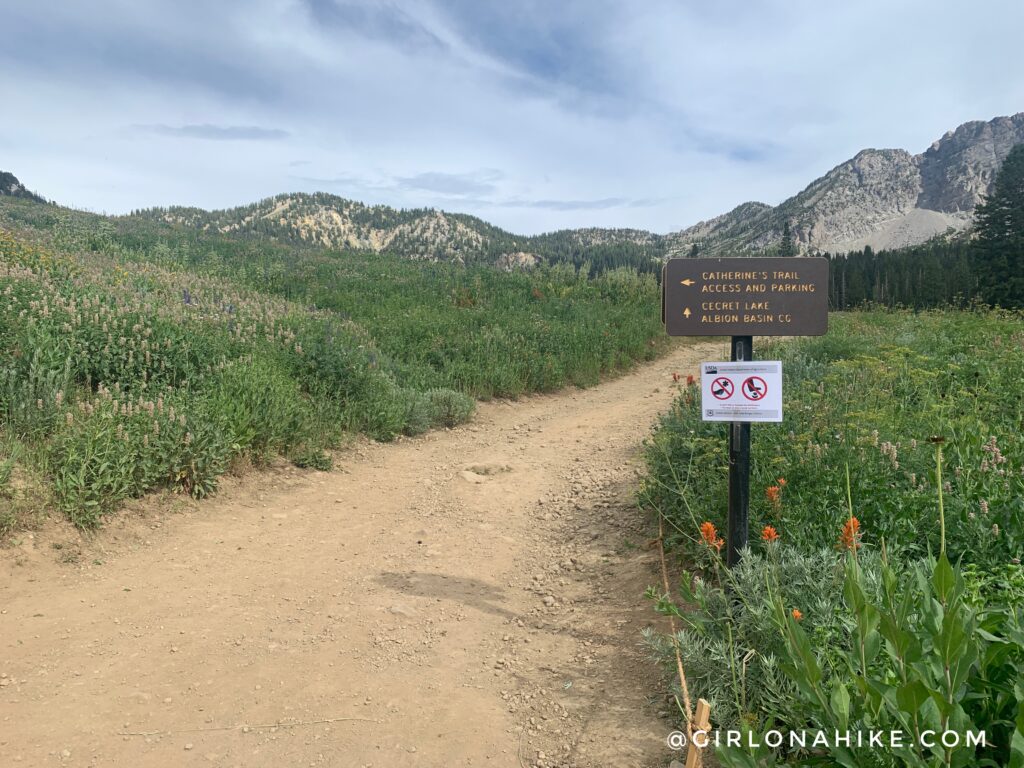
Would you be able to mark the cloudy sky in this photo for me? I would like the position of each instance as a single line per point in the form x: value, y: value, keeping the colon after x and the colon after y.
x: 533, y: 114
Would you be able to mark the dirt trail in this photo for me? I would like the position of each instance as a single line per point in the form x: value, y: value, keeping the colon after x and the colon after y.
x: 469, y: 598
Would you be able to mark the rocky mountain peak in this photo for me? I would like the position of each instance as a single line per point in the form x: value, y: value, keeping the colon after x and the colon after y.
x: 10, y: 186
x: 885, y: 198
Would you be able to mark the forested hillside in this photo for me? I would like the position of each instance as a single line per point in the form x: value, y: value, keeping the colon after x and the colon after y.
x: 327, y: 221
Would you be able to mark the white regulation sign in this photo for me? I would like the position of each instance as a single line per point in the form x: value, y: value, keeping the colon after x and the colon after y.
x: 750, y: 391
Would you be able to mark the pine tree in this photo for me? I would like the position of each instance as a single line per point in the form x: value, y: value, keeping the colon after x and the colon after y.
x: 787, y: 247
x: 999, y: 249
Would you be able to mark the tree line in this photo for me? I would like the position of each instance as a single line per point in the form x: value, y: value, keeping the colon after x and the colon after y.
x: 987, y: 267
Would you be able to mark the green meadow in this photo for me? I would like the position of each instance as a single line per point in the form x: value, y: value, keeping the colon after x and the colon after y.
x: 136, y: 355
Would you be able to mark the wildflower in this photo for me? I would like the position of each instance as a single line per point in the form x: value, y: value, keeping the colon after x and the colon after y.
x: 39, y: 404
x: 708, y: 532
x: 59, y: 398
x: 769, y: 534
x: 69, y: 417
x: 983, y: 506
x: 850, y: 537
x: 995, y: 529
x: 781, y: 482
x: 797, y: 614
x: 891, y: 452
x: 774, y: 495
x: 675, y: 376
x: 690, y: 380
x: 710, y: 536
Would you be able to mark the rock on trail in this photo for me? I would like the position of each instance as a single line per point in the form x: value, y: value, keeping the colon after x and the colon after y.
x: 472, y: 597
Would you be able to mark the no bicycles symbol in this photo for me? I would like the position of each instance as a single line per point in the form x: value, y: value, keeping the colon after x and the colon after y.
x: 722, y: 388
x: 754, y: 388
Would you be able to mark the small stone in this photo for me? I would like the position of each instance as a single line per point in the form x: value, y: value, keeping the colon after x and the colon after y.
x: 189, y: 745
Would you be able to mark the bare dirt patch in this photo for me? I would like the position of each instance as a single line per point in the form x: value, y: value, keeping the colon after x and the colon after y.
x: 471, y: 597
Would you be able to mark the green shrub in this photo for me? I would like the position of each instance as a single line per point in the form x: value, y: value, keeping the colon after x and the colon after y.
x: 313, y: 458
x: 260, y: 408
x: 919, y: 659
x: 730, y: 643
x: 450, y: 408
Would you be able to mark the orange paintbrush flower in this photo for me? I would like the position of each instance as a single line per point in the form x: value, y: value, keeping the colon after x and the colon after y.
x: 850, y: 537
x: 797, y: 614
x: 774, y: 495
x: 708, y: 532
x: 769, y: 534
x: 710, y: 536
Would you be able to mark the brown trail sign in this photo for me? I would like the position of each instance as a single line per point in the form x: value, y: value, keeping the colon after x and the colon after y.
x: 743, y: 298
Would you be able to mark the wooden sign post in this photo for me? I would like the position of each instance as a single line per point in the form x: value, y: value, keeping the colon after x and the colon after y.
x: 743, y: 298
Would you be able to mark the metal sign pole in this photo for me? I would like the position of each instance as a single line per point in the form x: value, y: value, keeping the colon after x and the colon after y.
x: 739, y: 466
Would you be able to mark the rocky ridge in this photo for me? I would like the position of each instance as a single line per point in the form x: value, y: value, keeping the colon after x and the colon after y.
x: 885, y: 198
x: 11, y: 187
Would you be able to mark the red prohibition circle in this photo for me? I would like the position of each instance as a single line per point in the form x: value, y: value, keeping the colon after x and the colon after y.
x: 722, y: 388
x: 754, y: 388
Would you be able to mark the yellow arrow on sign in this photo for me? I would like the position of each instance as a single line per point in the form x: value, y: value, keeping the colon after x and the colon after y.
x: 687, y: 313
x: 687, y: 281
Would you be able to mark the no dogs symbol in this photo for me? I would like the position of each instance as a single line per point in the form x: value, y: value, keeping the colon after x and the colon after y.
x: 754, y: 388
x: 722, y: 388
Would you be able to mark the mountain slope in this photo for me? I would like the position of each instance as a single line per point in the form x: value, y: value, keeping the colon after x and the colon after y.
x: 885, y: 198
x: 329, y: 221
x: 11, y: 187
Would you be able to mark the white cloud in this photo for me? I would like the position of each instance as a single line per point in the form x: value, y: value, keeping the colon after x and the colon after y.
x: 533, y: 115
